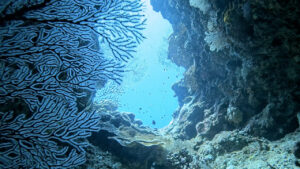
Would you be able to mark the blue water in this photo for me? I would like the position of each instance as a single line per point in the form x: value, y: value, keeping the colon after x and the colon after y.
x: 146, y: 87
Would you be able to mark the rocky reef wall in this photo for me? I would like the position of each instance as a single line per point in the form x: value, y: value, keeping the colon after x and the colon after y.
x: 239, y: 98
x: 242, y: 60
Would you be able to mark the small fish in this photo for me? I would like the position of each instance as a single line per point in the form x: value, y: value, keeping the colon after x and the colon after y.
x: 153, y: 122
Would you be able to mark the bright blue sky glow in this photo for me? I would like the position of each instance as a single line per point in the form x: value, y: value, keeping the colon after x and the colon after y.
x: 146, y: 87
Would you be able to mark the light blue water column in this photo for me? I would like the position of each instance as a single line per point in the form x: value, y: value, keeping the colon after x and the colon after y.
x: 147, y: 86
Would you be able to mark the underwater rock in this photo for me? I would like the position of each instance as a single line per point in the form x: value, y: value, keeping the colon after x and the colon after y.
x: 238, y: 99
x: 188, y: 117
x: 181, y: 91
x: 237, y: 150
x: 132, y: 145
x: 100, y: 159
x: 122, y: 143
x: 227, y: 142
x: 203, y: 5
x: 256, y: 67
x: 180, y: 160
x: 297, y: 153
x: 234, y: 115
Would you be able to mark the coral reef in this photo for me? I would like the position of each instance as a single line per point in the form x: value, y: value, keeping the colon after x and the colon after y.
x: 241, y: 88
x: 249, y: 83
x: 128, y: 142
x: 239, y: 97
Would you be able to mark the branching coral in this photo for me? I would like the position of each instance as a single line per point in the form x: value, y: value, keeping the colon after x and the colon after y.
x: 50, y: 61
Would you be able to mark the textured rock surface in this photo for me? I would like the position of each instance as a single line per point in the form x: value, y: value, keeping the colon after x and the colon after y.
x: 123, y: 143
x: 240, y: 91
x: 234, y: 150
x: 242, y: 61
x: 261, y: 153
x: 239, y: 98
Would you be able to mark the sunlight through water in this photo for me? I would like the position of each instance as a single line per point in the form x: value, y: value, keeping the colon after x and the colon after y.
x: 146, y: 86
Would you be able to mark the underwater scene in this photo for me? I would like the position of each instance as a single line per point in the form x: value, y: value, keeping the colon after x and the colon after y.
x: 149, y: 84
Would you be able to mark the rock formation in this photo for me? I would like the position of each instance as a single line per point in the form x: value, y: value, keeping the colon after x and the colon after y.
x: 239, y: 99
